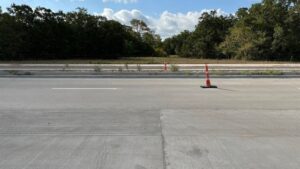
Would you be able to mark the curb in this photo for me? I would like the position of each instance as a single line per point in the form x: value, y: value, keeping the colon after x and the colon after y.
x: 193, y: 76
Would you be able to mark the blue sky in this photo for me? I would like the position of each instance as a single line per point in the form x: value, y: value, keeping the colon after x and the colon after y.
x: 149, y: 7
x: 165, y: 17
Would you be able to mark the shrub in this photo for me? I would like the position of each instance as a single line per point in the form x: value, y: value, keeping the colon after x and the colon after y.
x: 120, y: 69
x: 97, y: 69
x: 126, y: 66
x: 174, y: 68
x: 159, y: 52
x: 138, y: 67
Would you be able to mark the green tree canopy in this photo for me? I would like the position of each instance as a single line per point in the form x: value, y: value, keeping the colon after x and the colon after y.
x: 269, y: 30
x: 40, y: 33
x: 203, y: 42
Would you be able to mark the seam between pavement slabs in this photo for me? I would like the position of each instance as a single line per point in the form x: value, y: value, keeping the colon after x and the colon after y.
x: 75, y: 134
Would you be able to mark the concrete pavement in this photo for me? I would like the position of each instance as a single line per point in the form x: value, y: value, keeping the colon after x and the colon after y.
x: 149, y: 124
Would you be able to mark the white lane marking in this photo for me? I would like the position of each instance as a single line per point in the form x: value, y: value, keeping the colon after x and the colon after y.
x: 84, y: 88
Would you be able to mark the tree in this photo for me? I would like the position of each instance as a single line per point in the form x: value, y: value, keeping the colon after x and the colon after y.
x: 152, y: 39
x: 266, y: 31
x: 40, y: 33
x: 209, y: 33
x: 240, y: 44
x: 23, y: 14
x: 174, y: 45
x: 269, y: 30
x: 293, y: 35
x: 143, y: 32
x: 139, y: 26
x: 203, y: 42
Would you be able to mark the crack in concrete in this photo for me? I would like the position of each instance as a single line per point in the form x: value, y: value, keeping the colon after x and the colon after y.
x: 163, y: 143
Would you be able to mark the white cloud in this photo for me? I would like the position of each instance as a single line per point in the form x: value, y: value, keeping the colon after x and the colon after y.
x: 120, y: 1
x: 166, y: 25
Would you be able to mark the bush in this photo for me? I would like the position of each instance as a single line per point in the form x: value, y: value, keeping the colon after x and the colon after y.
x: 97, y: 69
x: 159, y: 52
x: 120, y: 69
x: 139, y: 68
x: 174, y: 68
x: 126, y: 66
x: 40, y: 34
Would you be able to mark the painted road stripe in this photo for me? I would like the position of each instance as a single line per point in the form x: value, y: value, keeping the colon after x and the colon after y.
x: 84, y: 88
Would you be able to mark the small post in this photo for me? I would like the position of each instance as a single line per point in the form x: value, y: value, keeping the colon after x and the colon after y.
x: 165, y: 67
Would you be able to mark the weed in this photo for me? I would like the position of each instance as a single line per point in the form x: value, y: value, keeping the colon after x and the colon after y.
x: 174, y: 68
x: 189, y: 73
x: 217, y: 72
x: 66, y: 66
x: 28, y: 73
x: 138, y: 67
x: 126, y: 66
x: 261, y: 72
x: 120, y: 69
x: 16, y: 72
x: 97, y: 69
x: 13, y: 72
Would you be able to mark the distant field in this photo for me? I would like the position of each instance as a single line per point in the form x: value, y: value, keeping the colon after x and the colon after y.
x: 141, y: 60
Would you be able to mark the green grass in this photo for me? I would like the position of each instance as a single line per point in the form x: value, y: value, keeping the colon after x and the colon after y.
x: 141, y: 60
x: 174, y: 68
x: 262, y: 72
x: 16, y: 72
x: 249, y: 72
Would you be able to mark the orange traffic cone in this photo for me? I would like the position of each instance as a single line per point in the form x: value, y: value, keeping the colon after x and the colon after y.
x: 208, y: 84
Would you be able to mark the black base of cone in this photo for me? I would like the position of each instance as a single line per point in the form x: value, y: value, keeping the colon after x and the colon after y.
x: 211, y: 87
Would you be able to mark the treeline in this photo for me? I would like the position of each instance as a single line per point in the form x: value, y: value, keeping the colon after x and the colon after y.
x: 269, y: 30
x: 40, y: 33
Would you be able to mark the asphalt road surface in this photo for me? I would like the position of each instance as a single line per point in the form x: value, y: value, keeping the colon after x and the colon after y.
x: 149, y: 124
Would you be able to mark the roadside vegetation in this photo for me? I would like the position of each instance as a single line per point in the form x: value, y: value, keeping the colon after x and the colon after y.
x: 40, y: 33
x: 267, y: 31
x: 144, y: 60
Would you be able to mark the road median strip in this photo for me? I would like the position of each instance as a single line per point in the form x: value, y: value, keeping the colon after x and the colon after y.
x: 144, y: 71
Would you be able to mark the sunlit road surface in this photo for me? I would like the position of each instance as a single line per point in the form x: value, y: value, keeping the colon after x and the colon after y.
x: 149, y: 124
